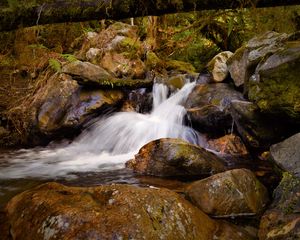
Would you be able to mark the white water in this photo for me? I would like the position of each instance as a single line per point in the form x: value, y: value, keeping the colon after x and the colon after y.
x: 109, y: 143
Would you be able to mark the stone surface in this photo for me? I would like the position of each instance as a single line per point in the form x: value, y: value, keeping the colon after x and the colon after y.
x: 287, y: 154
x: 282, y: 220
x: 218, y: 66
x: 86, y: 73
x: 53, y: 211
x: 244, y: 61
x: 275, y: 87
x: 61, y: 106
x: 231, y: 193
x: 228, y: 144
x: 89, y: 74
x: 121, y: 66
x: 208, y: 107
x: 175, y: 157
x: 256, y: 129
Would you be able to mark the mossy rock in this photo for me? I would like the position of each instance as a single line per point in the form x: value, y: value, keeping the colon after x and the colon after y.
x: 281, y: 220
x: 153, y: 61
x: 174, y: 157
x: 275, y: 87
x: 179, y: 66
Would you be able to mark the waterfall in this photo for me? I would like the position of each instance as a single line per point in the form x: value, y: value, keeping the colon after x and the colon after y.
x: 108, y: 143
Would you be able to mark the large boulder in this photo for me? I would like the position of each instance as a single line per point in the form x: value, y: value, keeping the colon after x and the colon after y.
x: 258, y: 130
x: 282, y: 220
x: 275, y: 87
x: 232, y: 193
x: 61, y: 106
x: 287, y: 154
x: 208, y: 107
x: 175, y: 157
x: 53, y: 211
x: 244, y: 61
x: 218, y: 66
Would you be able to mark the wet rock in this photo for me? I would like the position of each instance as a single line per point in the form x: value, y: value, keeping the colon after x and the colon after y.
x: 231, y: 193
x: 275, y: 87
x: 287, y: 154
x: 121, y: 66
x: 141, y: 100
x: 175, y: 157
x: 257, y: 129
x: 61, y: 107
x: 244, y: 61
x: 282, y: 220
x: 208, y: 107
x: 218, y: 66
x: 229, y: 144
x: 54, y: 211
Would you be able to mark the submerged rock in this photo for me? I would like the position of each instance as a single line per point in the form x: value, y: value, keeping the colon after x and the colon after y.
x: 287, y: 154
x: 208, y: 107
x: 218, y: 66
x: 231, y: 193
x: 175, y: 157
x: 54, y: 211
x: 282, y: 220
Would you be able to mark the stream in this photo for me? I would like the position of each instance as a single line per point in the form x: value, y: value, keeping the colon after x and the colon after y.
x: 99, y: 154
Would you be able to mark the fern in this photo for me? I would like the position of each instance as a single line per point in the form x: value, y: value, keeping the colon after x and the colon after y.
x: 55, y: 65
x: 69, y: 57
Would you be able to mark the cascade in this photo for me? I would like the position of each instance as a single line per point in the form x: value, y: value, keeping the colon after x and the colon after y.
x: 109, y: 142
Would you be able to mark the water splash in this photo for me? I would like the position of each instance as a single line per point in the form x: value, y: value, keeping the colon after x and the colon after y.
x: 109, y: 143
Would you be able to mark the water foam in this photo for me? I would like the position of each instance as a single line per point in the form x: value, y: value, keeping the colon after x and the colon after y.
x: 109, y: 143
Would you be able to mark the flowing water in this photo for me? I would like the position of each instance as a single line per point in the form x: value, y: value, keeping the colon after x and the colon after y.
x: 99, y: 154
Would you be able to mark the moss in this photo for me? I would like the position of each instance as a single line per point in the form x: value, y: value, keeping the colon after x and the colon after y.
x: 286, y: 193
x: 180, y: 66
x: 278, y: 88
x: 130, y: 45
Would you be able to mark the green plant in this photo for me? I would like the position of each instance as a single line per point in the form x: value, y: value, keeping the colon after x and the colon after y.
x: 69, y: 57
x: 55, y: 65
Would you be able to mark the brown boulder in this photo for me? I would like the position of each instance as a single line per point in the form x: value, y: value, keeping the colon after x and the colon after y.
x: 231, y: 193
x: 53, y: 211
x: 175, y: 157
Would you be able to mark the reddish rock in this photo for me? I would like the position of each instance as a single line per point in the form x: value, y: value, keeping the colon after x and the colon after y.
x: 229, y: 144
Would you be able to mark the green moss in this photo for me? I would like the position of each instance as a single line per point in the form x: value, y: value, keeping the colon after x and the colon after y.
x: 180, y: 66
x: 54, y: 65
